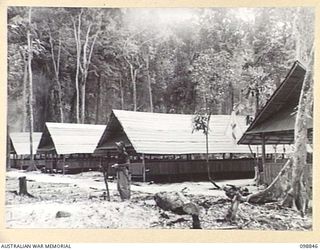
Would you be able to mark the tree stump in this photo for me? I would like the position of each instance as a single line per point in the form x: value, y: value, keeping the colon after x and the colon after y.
x: 23, y: 187
x: 232, y: 211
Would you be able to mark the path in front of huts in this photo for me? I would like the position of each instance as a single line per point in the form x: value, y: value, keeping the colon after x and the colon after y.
x: 81, y: 196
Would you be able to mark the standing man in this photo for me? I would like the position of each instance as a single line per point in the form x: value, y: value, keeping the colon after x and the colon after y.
x: 122, y: 168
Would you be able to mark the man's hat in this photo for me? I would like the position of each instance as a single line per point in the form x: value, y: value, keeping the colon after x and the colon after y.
x: 120, y: 144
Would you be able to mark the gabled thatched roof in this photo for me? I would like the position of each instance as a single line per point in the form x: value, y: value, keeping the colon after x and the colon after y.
x: 276, y: 120
x: 20, y: 143
x: 158, y: 133
x: 70, y: 138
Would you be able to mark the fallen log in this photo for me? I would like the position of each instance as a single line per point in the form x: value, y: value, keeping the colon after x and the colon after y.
x: 179, y: 204
x: 175, y: 202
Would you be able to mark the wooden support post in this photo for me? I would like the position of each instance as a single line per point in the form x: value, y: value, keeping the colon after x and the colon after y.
x: 45, y: 162
x: 52, y: 160
x: 263, y: 151
x: 20, y: 161
x: 51, y: 163
x: 14, y: 161
x: 63, y: 163
x: 263, y: 156
x: 143, y: 168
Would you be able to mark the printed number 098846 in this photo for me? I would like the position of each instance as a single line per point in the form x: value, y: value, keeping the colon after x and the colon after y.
x: 308, y: 246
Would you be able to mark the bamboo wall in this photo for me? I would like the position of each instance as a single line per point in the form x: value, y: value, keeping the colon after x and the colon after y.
x: 163, y: 170
x: 271, y: 170
x: 176, y: 170
x: 25, y: 163
x: 74, y: 165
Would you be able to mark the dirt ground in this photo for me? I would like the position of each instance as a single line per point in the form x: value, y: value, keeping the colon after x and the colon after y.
x: 81, y: 196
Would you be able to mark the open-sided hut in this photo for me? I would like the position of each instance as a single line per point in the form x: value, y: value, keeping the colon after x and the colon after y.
x: 68, y: 147
x: 20, y: 149
x: 274, y: 124
x: 165, y: 147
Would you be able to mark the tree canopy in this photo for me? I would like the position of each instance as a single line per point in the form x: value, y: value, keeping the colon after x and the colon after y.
x: 87, y: 61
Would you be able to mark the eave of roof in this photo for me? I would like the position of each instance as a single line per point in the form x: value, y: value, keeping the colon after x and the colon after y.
x: 278, y: 114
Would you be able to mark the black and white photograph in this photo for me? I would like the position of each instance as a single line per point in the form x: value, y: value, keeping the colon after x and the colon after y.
x: 160, y: 118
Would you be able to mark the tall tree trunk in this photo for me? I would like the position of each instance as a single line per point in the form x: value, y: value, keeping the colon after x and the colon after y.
x: 207, y: 157
x: 24, y: 91
x: 232, y: 98
x: 207, y: 129
x: 133, y: 73
x: 84, y: 75
x: 121, y: 93
x: 32, y: 164
x: 297, y: 194
x: 257, y: 96
x: 77, y: 93
x: 207, y: 151
x: 77, y: 30
x: 149, y: 84
x: 134, y: 86
x: 56, y: 66
x: 83, y: 102
x: 86, y: 59
x: 98, y: 98
x: 59, y: 83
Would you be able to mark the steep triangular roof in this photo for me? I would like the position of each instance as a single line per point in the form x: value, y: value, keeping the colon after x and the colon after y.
x: 70, y: 138
x: 277, y: 118
x: 159, y: 133
x: 20, y: 142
